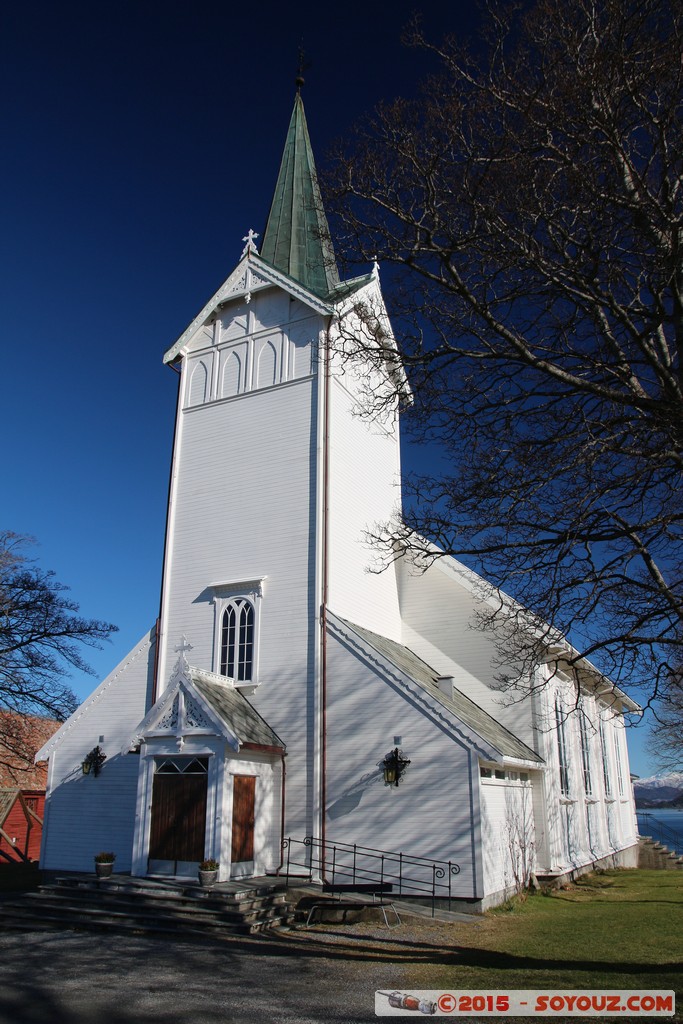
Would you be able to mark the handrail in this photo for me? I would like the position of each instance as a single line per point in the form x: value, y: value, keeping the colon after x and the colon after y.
x: 348, y: 865
x: 670, y: 835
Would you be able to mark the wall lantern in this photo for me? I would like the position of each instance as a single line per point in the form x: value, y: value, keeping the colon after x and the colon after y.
x: 93, y: 761
x: 393, y: 766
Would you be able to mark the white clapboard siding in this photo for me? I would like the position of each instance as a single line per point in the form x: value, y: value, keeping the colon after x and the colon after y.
x: 437, y: 624
x: 433, y: 812
x: 244, y: 507
x: 508, y: 835
x: 364, y: 493
x: 267, y: 830
x: 583, y: 827
x: 84, y: 814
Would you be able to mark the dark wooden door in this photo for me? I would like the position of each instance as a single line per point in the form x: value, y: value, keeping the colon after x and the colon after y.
x: 178, y: 817
x: 243, y: 799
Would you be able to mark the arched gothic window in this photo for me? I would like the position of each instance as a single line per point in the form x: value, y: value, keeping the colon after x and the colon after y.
x: 560, y: 716
x: 237, y: 640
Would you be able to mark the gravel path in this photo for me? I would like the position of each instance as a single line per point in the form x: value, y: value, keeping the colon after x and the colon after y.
x: 326, y: 973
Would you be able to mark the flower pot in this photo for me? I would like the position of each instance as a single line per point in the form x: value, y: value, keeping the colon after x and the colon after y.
x: 207, y: 878
x: 103, y: 870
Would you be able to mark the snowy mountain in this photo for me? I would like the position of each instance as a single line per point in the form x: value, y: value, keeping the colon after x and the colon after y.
x: 660, y: 789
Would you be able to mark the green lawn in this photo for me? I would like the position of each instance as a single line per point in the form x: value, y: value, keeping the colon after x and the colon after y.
x: 618, y: 930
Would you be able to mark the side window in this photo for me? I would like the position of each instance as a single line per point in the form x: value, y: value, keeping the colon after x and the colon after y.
x: 606, y: 774
x: 560, y: 717
x: 237, y: 626
x: 585, y: 752
x: 237, y: 640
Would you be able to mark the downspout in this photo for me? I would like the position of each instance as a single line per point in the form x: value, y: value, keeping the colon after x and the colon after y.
x: 155, y: 681
x: 283, y: 755
x: 325, y: 594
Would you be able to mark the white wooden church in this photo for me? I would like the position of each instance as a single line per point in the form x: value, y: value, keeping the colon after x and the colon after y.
x: 284, y: 686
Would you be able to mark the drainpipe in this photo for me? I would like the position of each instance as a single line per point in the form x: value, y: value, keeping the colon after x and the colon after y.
x: 325, y: 594
x: 282, y: 816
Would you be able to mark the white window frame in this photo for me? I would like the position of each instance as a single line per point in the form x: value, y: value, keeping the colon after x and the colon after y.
x: 585, y: 745
x: 607, y: 780
x: 564, y: 774
x: 617, y: 730
x: 224, y: 593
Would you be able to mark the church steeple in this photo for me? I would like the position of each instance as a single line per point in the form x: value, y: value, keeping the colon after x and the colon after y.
x: 297, y: 237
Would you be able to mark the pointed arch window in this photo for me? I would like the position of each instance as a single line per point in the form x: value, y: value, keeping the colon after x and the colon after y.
x: 606, y: 774
x: 560, y: 717
x: 237, y: 627
x: 237, y: 640
x: 585, y: 752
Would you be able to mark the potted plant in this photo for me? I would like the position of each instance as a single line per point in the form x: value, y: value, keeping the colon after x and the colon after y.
x: 208, y: 872
x: 104, y: 864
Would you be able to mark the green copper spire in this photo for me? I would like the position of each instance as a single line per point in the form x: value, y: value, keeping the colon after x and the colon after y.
x: 297, y: 238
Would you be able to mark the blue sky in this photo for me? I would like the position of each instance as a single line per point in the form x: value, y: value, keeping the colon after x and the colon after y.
x: 141, y: 142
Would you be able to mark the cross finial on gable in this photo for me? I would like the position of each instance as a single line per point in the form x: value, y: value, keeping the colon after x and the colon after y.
x: 183, y: 646
x: 249, y: 239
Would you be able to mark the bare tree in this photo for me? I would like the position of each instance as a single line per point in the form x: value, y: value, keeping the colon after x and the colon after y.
x: 666, y: 743
x: 527, y: 210
x: 40, y: 639
x: 518, y: 837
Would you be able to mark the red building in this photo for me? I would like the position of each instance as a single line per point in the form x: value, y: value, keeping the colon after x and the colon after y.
x: 22, y: 786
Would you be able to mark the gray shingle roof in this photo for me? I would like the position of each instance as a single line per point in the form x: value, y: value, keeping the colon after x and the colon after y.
x: 234, y: 709
x: 469, y: 713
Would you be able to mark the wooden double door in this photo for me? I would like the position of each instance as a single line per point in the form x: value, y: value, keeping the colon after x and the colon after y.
x: 178, y: 826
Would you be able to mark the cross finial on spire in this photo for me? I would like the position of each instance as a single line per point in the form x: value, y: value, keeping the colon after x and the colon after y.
x: 249, y: 239
x: 303, y: 66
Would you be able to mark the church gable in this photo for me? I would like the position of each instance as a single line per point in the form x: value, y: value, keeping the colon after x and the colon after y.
x: 234, y: 300
x: 250, y: 343
x: 204, y: 704
x: 180, y: 713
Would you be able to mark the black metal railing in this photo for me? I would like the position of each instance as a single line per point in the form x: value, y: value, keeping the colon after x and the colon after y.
x: 662, y: 832
x: 348, y: 866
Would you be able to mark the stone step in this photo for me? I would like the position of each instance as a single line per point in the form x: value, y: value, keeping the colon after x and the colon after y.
x: 146, y: 888
x: 200, y: 900
x: 132, y: 908
x: 49, y: 918
x: 78, y: 903
x: 65, y: 916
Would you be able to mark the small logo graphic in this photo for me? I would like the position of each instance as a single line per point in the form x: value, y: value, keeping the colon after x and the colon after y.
x: 404, y: 1001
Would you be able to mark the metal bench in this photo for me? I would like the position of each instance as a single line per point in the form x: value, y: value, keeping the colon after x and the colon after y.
x: 348, y: 905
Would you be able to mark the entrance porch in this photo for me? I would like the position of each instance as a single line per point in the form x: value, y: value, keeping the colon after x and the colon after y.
x: 209, y: 783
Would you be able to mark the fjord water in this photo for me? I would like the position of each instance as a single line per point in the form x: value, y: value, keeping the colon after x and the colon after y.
x: 661, y: 824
